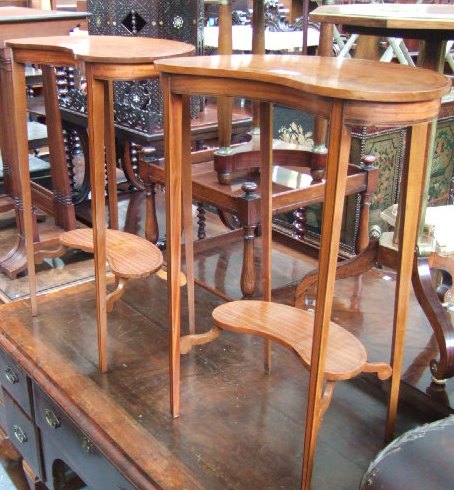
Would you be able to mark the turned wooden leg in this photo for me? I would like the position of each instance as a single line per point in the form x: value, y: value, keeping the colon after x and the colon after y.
x: 299, y: 223
x: 201, y: 221
x: 248, y: 268
x: 225, y: 104
x: 362, y: 241
x: 151, y: 219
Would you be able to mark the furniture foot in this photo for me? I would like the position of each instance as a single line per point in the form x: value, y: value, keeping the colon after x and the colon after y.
x: 151, y: 219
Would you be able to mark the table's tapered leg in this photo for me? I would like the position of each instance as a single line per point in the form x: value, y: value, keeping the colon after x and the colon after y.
x: 96, y: 106
x: 411, y: 191
x: 111, y: 156
x: 336, y: 175
x: 187, y: 215
x: 173, y: 117
x: 266, y: 203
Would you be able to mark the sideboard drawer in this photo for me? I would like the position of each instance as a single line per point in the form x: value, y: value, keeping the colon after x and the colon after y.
x: 62, y: 439
x: 21, y: 432
x: 15, y: 382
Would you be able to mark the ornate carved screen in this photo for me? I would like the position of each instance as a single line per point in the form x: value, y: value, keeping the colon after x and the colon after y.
x: 138, y: 105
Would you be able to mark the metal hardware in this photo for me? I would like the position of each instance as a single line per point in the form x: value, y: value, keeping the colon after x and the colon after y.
x: 19, y: 434
x: 11, y: 376
x: 51, y: 419
x: 87, y: 445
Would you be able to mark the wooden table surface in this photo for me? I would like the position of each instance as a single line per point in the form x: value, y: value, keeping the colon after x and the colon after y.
x: 18, y: 22
x: 23, y: 14
x: 421, y: 17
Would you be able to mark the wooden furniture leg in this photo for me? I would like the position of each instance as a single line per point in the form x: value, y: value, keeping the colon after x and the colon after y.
x: 63, y: 208
x: 187, y: 215
x: 96, y: 96
x: 5, y: 129
x: 411, y: 190
x: 266, y: 208
x: 111, y: 164
x: 248, y: 268
x: 338, y: 155
x: 18, y: 97
x: 225, y: 104
x: 173, y: 117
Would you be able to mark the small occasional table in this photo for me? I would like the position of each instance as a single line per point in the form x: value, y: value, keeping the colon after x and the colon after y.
x: 345, y: 93
x: 18, y: 22
x: 105, y: 59
x: 434, y: 26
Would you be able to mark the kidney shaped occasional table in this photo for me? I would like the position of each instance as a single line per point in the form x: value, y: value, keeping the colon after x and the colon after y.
x: 345, y: 92
x: 103, y: 59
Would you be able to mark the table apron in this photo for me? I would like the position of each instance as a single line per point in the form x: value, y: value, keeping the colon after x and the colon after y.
x: 267, y: 92
x: 355, y: 112
x: 390, y: 113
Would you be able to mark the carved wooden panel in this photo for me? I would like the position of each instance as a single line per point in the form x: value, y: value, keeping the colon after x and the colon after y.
x: 138, y: 105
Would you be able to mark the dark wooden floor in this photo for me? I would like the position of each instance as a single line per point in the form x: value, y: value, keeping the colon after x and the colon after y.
x: 240, y: 426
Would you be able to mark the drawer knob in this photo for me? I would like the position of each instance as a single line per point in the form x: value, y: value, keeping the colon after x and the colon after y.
x: 11, y: 376
x: 19, y: 434
x: 51, y: 419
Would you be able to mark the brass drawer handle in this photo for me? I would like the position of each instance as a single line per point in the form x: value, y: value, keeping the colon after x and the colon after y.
x: 87, y: 445
x: 19, y: 434
x: 11, y: 376
x: 51, y: 419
